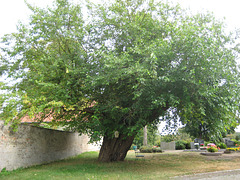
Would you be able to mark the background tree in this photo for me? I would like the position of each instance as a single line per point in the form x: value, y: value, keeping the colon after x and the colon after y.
x: 152, y: 137
x: 209, y: 131
x: 120, y: 70
x: 179, y: 135
x: 145, y: 136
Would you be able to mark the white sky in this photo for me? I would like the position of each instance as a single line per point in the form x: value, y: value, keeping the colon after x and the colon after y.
x: 228, y: 9
x: 11, y: 11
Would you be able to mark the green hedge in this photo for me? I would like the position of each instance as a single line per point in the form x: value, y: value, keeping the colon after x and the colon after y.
x: 180, y: 144
x: 149, y: 149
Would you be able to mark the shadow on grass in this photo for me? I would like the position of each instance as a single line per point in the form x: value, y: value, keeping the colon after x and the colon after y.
x: 152, y: 166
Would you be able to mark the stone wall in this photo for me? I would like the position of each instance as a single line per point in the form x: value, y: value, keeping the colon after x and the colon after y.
x: 168, y: 145
x: 33, y: 145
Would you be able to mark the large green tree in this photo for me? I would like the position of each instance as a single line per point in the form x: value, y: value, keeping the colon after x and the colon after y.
x: 210, y: 130
x: 119, y: 69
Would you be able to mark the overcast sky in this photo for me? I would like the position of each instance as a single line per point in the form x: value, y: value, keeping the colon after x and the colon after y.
x: 228, y: 9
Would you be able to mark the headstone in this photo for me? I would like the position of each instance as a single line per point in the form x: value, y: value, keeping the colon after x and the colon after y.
x: 196, y: 145
x: 192, y: 145
x: 168, y: 145
x: 228, y: 142
x: 200, y: 141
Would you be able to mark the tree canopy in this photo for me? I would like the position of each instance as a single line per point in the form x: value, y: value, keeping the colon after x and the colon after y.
x: 120, y: 68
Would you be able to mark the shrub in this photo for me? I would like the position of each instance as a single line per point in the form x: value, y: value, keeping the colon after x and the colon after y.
x: 146, y: 149
x: 222, y: 145
x: 212, y: 149
x: 149, y: 149
x: 188, y: 145
x: 158, y: 143
x: 168, y: 138
x: 180, y: 144
x: 206, y: 143
x: 156, y: 149
x: 235, y: 141
x: 238, y: 137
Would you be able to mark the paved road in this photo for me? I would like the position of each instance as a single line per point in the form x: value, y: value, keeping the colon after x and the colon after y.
x: 219, y: 175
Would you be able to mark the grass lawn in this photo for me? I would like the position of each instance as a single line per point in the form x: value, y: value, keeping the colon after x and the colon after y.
x: 152, y: 166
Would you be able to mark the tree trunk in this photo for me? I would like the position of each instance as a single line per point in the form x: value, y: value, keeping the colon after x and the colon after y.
x: 145, y: 136
x: 115, y: 149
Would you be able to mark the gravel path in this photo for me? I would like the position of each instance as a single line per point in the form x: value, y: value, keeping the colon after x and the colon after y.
x: 219, y: 175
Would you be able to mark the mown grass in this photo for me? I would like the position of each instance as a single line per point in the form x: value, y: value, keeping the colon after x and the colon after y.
x: 152, y: 166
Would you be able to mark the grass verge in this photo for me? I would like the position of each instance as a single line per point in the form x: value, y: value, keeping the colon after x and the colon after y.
x: 152, y: 166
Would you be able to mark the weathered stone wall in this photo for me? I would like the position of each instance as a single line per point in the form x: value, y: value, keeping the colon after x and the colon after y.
x: 168, y: 145
x: 33, y: 145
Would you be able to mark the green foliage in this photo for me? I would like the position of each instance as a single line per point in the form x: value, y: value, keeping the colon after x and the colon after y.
x: 149, y: 149
x: 157, y: 150
x: 237, y: 137
x: 122, y: 68
x: 3, y: 171
x: 230, y: 136
x: 182, y: 135
x: 181, y: 144
x: 209, y: 131
x: 146, y: 149
x: 222, y: 145
x: 158, y: 142
x: 151, y: 136
x: 206, y: 143
x: 235, y: 141
x: 212, y: 149
x: 179, y: 136
x: 168, y: 138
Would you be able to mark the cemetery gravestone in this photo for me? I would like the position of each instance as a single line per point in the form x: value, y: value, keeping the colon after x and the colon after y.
x: 229, y: 143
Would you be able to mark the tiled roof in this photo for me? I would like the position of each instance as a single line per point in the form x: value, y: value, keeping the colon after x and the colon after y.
x: 27, y: 119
